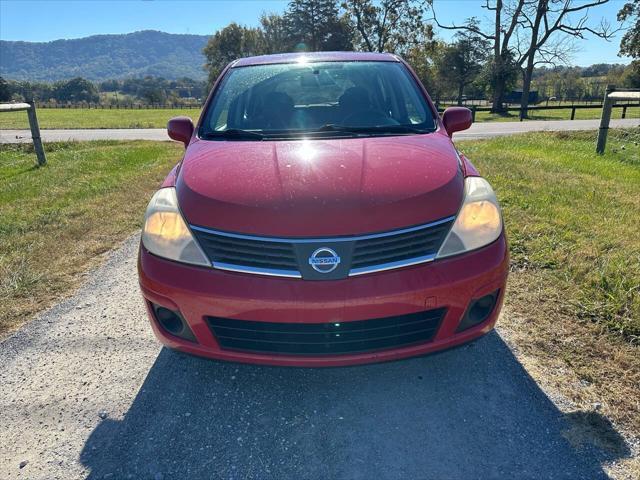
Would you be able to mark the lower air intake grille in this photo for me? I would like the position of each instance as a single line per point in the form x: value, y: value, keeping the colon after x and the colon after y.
x: 326, y: 338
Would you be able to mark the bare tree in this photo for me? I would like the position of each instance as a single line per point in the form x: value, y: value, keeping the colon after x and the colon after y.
x: 522, y: 30
x: 543, y: 19
x: 505, y: 22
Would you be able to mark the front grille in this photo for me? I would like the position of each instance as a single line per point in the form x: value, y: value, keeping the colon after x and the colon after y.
x: 338, y: 338
x: 372, y: 252
x: 289, y: 257
x: 248, y: 252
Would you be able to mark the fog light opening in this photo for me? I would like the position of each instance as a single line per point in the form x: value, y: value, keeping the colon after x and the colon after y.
x: 478, y: 311
x: 169, y: 320
x: 173, y: 323
x: 481, y: 308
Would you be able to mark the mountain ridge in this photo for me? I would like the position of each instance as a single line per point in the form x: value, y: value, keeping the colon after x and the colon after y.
x: 105, y: 56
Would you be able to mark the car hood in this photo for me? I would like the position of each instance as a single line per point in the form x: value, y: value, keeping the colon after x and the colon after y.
x: 320, y: 187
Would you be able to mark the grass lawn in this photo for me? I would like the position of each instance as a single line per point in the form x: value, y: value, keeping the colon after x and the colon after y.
x: 572, y: 311
x: 55, y: 221
x: 97, y: 118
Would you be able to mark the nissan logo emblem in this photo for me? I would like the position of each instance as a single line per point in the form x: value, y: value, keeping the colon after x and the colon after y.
x: 324, y: 260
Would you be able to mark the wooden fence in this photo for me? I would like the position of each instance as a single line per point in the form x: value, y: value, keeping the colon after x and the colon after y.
x: 611, y: 96
x: 30, y: 107
x: 571, y: 109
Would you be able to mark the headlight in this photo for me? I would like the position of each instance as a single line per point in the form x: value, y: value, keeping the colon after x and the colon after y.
x: 165, y: 232
x: 479, y: 221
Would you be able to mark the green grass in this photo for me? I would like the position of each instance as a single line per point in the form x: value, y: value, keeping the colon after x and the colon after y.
x: 56, y: 220
x: 95, y: 118
x: 573, y: 216
x: 157, y: 118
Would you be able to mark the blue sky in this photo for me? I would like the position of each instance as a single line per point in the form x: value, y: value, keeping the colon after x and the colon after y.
x: 50, y: 19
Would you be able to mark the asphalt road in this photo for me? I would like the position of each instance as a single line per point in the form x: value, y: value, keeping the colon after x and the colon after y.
x: 477, y: 131
x: 85, y: 391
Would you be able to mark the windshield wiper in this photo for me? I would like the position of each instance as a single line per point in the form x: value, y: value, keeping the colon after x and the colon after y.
x: 234, y: 133
x: 330, y: 127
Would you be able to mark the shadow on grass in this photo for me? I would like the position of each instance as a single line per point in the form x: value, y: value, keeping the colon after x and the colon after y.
x: 591, y: 429
x: 472, y: 412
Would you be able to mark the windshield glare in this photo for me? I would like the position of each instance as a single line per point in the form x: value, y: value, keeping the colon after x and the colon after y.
x: 298, y: 98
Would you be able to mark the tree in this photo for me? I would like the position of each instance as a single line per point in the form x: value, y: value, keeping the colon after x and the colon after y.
x: 500, y: 35
x: 75, y: 90
x: 152, y: 89
x: 5, y: 91
x: 498, y: 77
x: 274, y: 30
x: 542, y: 19
x: 421, y: 58
x: 316, y: 25
x: 631, y: 75
x: 154, y: 95
x: 109, y: 86
x: 630, y: 43
x: 388, y: 25
x: 524, y: 32
x: 232, y: 42
x: 461, y: 62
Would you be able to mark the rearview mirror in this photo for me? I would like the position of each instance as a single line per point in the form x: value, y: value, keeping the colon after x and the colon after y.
x: 456, y: 119
x: 180, y: 129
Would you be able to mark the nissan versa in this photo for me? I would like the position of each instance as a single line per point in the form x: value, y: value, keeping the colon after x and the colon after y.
x: 321, y: 216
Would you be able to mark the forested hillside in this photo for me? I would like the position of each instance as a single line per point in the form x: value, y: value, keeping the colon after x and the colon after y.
x: 101, y: 57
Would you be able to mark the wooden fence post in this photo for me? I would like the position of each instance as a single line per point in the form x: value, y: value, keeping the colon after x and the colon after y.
x: 35, y: 133
x: 605, y: 119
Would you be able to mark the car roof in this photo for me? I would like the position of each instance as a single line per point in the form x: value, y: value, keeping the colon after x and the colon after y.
x: 312, y: 57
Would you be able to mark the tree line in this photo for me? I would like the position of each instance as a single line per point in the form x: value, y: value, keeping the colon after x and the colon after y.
x: 489, y: 56
x: 560, y: 83
x: 523, y: 43
x: 147, y: 90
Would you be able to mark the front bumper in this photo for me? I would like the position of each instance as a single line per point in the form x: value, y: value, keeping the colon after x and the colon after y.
x: 198, y: 292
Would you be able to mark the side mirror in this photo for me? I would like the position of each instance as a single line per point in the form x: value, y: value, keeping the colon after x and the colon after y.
x: 180, y: 129
x: 456, y: 119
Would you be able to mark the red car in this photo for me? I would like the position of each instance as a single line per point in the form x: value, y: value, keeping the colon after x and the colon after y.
x: 321, y: 216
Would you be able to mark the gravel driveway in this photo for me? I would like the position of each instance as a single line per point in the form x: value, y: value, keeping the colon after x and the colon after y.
x: 85, y: 391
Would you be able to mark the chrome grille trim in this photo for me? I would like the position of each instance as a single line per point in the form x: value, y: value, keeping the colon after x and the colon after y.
x: 322, y: 239
x: 256, y: 271
x: 391, y: 265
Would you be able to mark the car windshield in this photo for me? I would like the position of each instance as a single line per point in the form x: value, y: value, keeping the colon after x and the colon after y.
x: 330, y: 98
